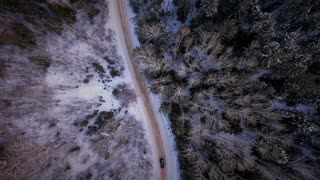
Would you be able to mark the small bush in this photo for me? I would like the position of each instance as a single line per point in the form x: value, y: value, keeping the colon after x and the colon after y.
x: 102, y: 118
x: 2, y: 67
x: 84, y: 123
x: 100, y: 121
x: 114, y: 72
x: 19, y: 35
x: 31, y: 8
x: 87, y: 79
x: 22, y: 31
x: 42, y: 61
x: 92, y: 130
x: 123, y: 93
x: 94, y: 114
x: 99, y: 69
x: 93, y: 11
x: 73, y: 149
x: 135, y: 6
x: 109, y: 61
x: 63, y: 11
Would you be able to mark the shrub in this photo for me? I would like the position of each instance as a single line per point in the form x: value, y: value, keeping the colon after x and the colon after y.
x: 115, y: 72
x: 20, y: 36
x: 99, y: 69
x: 100, y: 121
x: 73, y: 149
x: 93, y: 11
x: 84, y: 123
x: 183, y: 9
x: 87, y: 79
x: 123, y: 93
x: 94, y: 114
x: 32, y: 7
x: 64, y: 11
x: 135, y: 5
x: 41, y: 61
x: 102, y: 118
x: 108, y: 60
x: 208, y: 8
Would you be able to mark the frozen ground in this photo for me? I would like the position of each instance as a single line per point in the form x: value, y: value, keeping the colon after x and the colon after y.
x: 64, y: 121
x: 173, y: 24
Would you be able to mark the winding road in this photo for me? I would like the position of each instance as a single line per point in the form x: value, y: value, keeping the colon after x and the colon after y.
x: 159, y: 137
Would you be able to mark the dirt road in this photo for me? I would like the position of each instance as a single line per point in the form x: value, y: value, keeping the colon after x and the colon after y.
x: 159, y: 138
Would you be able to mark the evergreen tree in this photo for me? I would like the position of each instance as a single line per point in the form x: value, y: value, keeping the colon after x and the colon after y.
x: 184, y: 8
x: 208, y: 8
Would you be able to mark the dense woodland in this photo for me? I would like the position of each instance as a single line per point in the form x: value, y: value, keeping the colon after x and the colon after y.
x: 232, y: 79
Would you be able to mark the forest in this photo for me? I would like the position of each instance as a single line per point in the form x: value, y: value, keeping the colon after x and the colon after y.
x: 66, y: 97
x: 239, y: 81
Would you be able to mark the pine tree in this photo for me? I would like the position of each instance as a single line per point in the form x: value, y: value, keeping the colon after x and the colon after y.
x: 209, y: 8
x: 184, y: 8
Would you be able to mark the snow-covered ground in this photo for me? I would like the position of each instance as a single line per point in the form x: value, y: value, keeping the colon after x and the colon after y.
x: 309, y: 111
x: 172, y: 22
x: 59, y: 107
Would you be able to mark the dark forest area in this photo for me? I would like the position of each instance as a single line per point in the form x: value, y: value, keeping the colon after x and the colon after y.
x: 239, y: 81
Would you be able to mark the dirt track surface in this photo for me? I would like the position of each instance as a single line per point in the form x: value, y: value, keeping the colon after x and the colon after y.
x: 159, y: 137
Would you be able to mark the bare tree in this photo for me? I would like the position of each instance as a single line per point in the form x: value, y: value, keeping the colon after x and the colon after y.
x: 208, y: 42
x: 181, y: 34
x: 151, y: 61
x: 160, y: 85
x: 153, y: 33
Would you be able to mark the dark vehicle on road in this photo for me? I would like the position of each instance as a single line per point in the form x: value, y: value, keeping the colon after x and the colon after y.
x: 162, y: 163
